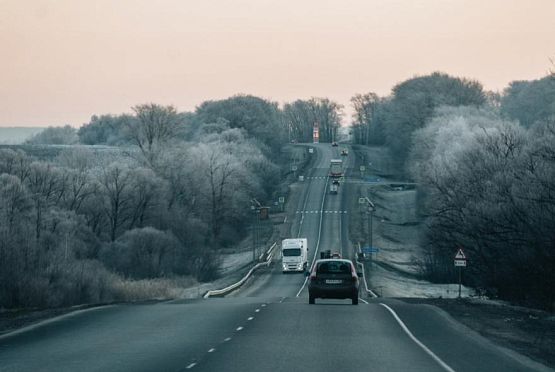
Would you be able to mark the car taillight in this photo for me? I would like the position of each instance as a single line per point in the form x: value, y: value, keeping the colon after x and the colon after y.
x: 355, y: 278
x: 313, y: 277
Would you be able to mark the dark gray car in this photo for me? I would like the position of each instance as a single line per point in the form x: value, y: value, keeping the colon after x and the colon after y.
x: 333, y: 278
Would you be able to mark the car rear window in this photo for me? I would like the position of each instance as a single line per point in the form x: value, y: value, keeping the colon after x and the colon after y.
x: 333, y: 267
x: 292, y: 252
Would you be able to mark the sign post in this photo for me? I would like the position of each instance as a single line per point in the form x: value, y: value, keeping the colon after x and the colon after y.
x: 460, y: 262
x: 281, y: 201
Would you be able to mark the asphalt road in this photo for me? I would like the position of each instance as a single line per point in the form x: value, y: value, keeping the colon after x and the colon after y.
x: 266, y: 326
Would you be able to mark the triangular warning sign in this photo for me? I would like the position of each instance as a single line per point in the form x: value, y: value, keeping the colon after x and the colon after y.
x: 460, y: 255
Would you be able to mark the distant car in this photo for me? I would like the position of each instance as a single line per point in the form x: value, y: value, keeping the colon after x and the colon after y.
x: 344, y: 152
x: 333, y: 278
x: 336, y: 255
x: 334, y: 144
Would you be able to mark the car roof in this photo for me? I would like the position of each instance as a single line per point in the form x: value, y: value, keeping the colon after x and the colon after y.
x: 334, y: 259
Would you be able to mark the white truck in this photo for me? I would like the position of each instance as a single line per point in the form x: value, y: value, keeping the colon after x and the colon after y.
x: 294, y: 255
x: 336, y: 168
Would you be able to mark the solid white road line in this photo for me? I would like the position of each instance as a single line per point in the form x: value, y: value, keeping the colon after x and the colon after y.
x: 417, y: 341
x: 319, y: 235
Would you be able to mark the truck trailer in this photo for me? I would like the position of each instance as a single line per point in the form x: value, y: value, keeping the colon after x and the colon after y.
x: 336, y: 168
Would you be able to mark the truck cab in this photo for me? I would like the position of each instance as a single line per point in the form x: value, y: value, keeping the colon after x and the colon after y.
x: 294, y: 255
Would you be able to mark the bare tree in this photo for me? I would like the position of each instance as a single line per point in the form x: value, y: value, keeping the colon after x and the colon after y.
x: 154, y: 126
x: 117, y: 186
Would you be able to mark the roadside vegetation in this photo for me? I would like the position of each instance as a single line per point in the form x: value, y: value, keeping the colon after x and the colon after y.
x: 145, y: 208
x: 485, y: 167
x: 75, y: 224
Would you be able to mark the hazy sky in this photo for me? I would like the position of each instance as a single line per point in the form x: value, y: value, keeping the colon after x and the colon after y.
x: 64, y: 60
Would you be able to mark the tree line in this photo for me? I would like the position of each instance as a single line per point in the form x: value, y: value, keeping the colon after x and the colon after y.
x: 160, y: 200
x: 485, y: 165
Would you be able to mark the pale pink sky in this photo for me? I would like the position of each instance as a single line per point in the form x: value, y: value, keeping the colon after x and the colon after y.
x: 64, y: 60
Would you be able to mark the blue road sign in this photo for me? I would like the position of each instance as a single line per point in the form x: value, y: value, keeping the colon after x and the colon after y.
x: 370, y: 250
x: 373, y: 179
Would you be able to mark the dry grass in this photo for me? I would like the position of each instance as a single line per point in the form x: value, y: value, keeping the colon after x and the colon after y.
x: 151, y: 289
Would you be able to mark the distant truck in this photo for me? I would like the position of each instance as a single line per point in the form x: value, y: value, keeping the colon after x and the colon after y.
x: 294, y: 255
x: 336, y: 168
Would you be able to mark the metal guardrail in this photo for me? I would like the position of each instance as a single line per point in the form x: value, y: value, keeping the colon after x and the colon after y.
x: 370, y: 292
x: 220, y: 292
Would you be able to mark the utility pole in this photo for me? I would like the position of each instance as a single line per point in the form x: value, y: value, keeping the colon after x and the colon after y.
x: 255, y: 207
x: 370, y: 207
x: 370, y: 214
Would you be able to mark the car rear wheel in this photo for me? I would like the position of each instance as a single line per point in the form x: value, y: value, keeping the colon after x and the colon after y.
x: 355, y: 300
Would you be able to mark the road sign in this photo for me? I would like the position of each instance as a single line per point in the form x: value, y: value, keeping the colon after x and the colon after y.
x: 311, y: 150
x: 370, y: 250
x: 460, y: 255
x: 281, y: 199
x: 316, y: 132
x: 294, y: 168
x: 362, y: 168
x: 460, y: 263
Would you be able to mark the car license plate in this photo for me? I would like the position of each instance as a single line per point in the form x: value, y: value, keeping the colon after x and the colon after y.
x: 333, y: 281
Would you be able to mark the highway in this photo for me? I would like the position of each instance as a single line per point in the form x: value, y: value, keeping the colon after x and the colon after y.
x: 266, y: 326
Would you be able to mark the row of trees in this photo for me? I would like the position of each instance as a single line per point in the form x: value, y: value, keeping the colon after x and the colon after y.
x: 392, y: 120
x: 485, y: 165
x: 301, y: 116
x: 489, y: 188
x: 257, y: 117
x: 175, y: 190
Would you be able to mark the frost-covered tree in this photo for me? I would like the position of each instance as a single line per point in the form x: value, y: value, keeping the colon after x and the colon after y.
x: 301, y: 116
x: 152, y: 128
x: 368, y: 118
x: 530, y: 102
x: 488, y: 187
x: 258, y: 117
x: 65, y: 135
x: 414, y: 101
x: 104, y: 130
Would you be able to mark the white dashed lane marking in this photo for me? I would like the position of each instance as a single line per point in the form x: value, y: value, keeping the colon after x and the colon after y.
x: 316, y: 212
x: 227, y: 339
